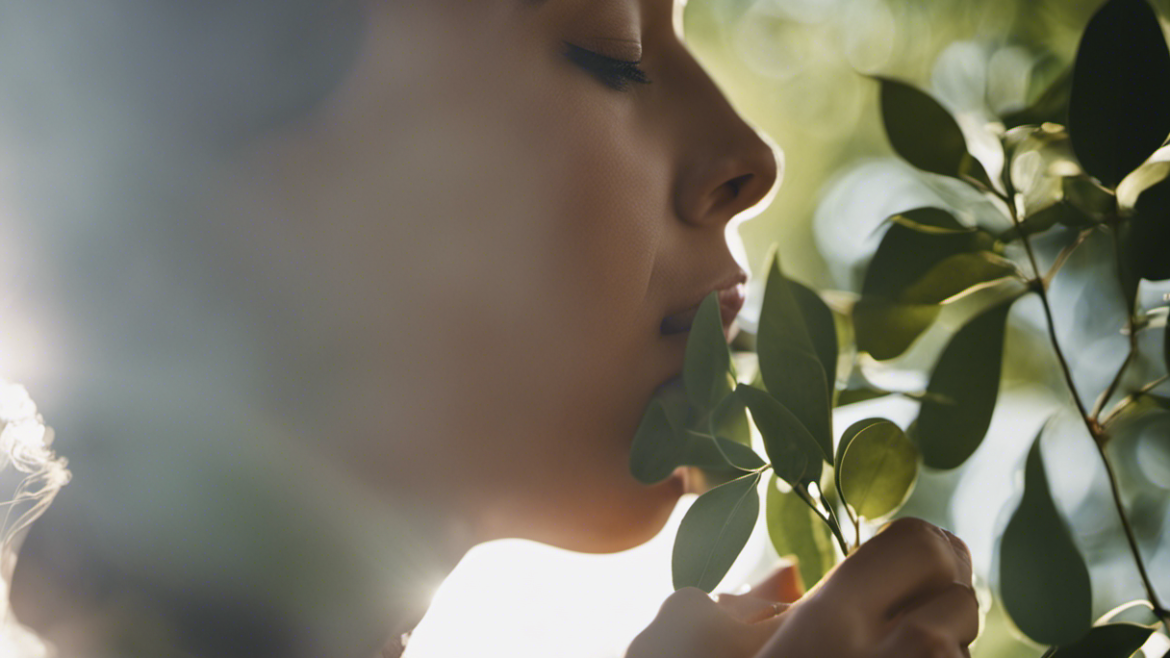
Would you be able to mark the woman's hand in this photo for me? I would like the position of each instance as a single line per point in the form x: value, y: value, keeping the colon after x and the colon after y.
x: 906, y: 593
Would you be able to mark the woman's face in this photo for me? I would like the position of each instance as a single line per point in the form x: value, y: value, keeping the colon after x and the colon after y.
x: 473, y: 247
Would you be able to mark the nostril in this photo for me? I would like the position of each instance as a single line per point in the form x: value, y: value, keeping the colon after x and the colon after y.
x: 738, y: 183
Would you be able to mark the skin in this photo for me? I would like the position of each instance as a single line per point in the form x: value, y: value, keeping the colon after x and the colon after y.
x: 455, y: 270
x: 585, y: 216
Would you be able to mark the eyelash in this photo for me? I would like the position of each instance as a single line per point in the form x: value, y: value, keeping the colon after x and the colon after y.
x: 614, y: 73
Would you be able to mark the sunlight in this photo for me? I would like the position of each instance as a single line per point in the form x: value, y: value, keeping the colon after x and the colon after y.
x: 521, y: 599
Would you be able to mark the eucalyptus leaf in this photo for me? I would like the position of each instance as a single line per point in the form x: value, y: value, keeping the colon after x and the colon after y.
x: 1060, y: 212
x: 1149, y: 247
x: 789, y: 365
x: 956, y: 276
x: 655, y: 452
x: 860, y: 394
x: 794, y: 453
x: 796, y: 530
x: 821, y: 328
x: 1051, y: 106
x: 729, y: 420
x: 713, y: 532
x: 921, y: 130
x: 887, y: 329
x: 876, y: 467
x: 1044, y: 583
x: 916, y: 241
x: 717, y: 452
x: 963, y: 390
x: 1119, y: 640
x: 707, y: 368
x: 1121, y: 90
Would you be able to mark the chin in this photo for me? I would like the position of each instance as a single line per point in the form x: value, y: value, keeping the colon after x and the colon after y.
x: 631, y: 516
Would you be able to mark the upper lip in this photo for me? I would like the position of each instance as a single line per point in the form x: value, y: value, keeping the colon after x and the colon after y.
x: 731, y: 291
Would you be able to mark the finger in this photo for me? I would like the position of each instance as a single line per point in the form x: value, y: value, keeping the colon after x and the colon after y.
x: 784, y: 585
x: 906, y: 561
x: 942, y: 626
x: 691, y: 623
x: 749, y: 609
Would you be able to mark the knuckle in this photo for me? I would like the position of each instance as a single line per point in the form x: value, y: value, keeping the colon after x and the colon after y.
x: 934, y: 552
x: 927, y: 641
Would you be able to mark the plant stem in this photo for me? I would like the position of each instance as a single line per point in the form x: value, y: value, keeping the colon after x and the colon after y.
x: 1131, y: 328
x: 835, y: 526
x: 1096, y: 431
x: 1131, y: 398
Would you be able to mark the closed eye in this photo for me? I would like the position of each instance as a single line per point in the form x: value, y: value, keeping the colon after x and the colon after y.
x: 614, y: 73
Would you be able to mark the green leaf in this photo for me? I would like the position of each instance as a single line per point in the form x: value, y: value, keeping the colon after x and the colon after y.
x: 729, y: 420
x: 855, y: 395
x: 794, y: 453
x: 713, y: 532
x: 888, y: 318
x: 1121, y: 90
x: 1044, y: 583
x: 963, y: 389
x: 1149, y: 245
x: 956, y: 276
x: 796, y: 530
x: 789, y: 365
x: 921, y: 130
x: 887, y: 329
x: 655, y: 452
x: 1051, y: 106
x: 1061, y: 212
x: 916, y: 241
x: 707, y: 368
x: 707, y: 452
x: 1119, y: 640
x: 821, y: 328
x: 876, y: 467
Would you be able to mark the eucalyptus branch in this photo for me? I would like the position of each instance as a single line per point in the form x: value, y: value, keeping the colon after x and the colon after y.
x: 1063, y: 256
x: 1096, y: 431
x: 1131, y: 399
x: 835, y: 526
x: 830, y: 520
x: 1131, y: 327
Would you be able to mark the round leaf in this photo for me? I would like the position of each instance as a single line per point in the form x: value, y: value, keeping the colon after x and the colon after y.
x: 916, y: 241
x: 795, y: 455
x: 962, y: 392
x: 1120, y: 640
x: 655, y: 452
x: 1121, y: 90
x: 707, y: 368
x: 796, y: 530
x: 876, y: 467
x: 921, y: 130
x: 1149, y: 239
x: 713, y: 532
x: 1044, y: 583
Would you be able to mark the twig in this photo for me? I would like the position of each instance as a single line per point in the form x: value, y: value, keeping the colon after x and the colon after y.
x: 1100, y: 437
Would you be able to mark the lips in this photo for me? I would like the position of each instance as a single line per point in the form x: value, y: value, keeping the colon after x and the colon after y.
x: 731, y: 300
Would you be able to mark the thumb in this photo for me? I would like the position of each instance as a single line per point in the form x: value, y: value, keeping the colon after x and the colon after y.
x: 783, y: 585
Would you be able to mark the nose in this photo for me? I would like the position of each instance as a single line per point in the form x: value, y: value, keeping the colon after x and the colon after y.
x: 727, y: 167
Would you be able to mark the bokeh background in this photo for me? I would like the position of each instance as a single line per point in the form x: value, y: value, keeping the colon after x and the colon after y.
x: 798, y: 70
